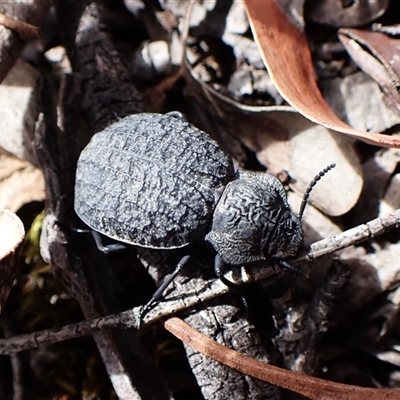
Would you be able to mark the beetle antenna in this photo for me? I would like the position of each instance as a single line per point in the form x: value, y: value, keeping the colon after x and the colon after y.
x: 311, y: 186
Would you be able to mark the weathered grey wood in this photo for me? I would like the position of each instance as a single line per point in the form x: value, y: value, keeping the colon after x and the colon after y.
x: 55, y: 243
x: 108, y: 93
x: 58, y: 149
x: 221, y: 320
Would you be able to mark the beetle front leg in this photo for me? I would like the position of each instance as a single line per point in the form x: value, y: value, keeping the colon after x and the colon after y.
x: 219, y: 267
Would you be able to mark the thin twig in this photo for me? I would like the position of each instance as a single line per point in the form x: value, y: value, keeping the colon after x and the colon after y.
x: 130, y: 318
x: 350, y: 237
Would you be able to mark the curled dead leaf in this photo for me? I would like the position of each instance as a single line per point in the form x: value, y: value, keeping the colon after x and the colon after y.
x: 313, y: 388
x: 377, y: 55
x: 287, y: 56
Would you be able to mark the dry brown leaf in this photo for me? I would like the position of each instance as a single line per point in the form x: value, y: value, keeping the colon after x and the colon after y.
x: 377, y: 55
x: 313, y: 388
x: 287, y: 56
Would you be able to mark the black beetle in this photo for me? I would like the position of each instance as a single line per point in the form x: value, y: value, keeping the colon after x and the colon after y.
x: 156, y: 181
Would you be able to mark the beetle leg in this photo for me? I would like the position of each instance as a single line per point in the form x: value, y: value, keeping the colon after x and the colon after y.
x: 158, y: 293
x: 219, y: 266
x: 108, y: 248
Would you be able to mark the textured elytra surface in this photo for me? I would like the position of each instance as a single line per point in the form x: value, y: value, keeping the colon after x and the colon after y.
x: 151, y: 180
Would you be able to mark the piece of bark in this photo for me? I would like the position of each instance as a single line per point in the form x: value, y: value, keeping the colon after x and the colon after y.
x: 286, y: 54
x: 56, y: 246
x: 105, y: 94
x: 303, y: 324
x: 12, y: 235
x: 55, y: 242
x: 218, y: 320
x: 108, y: 93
